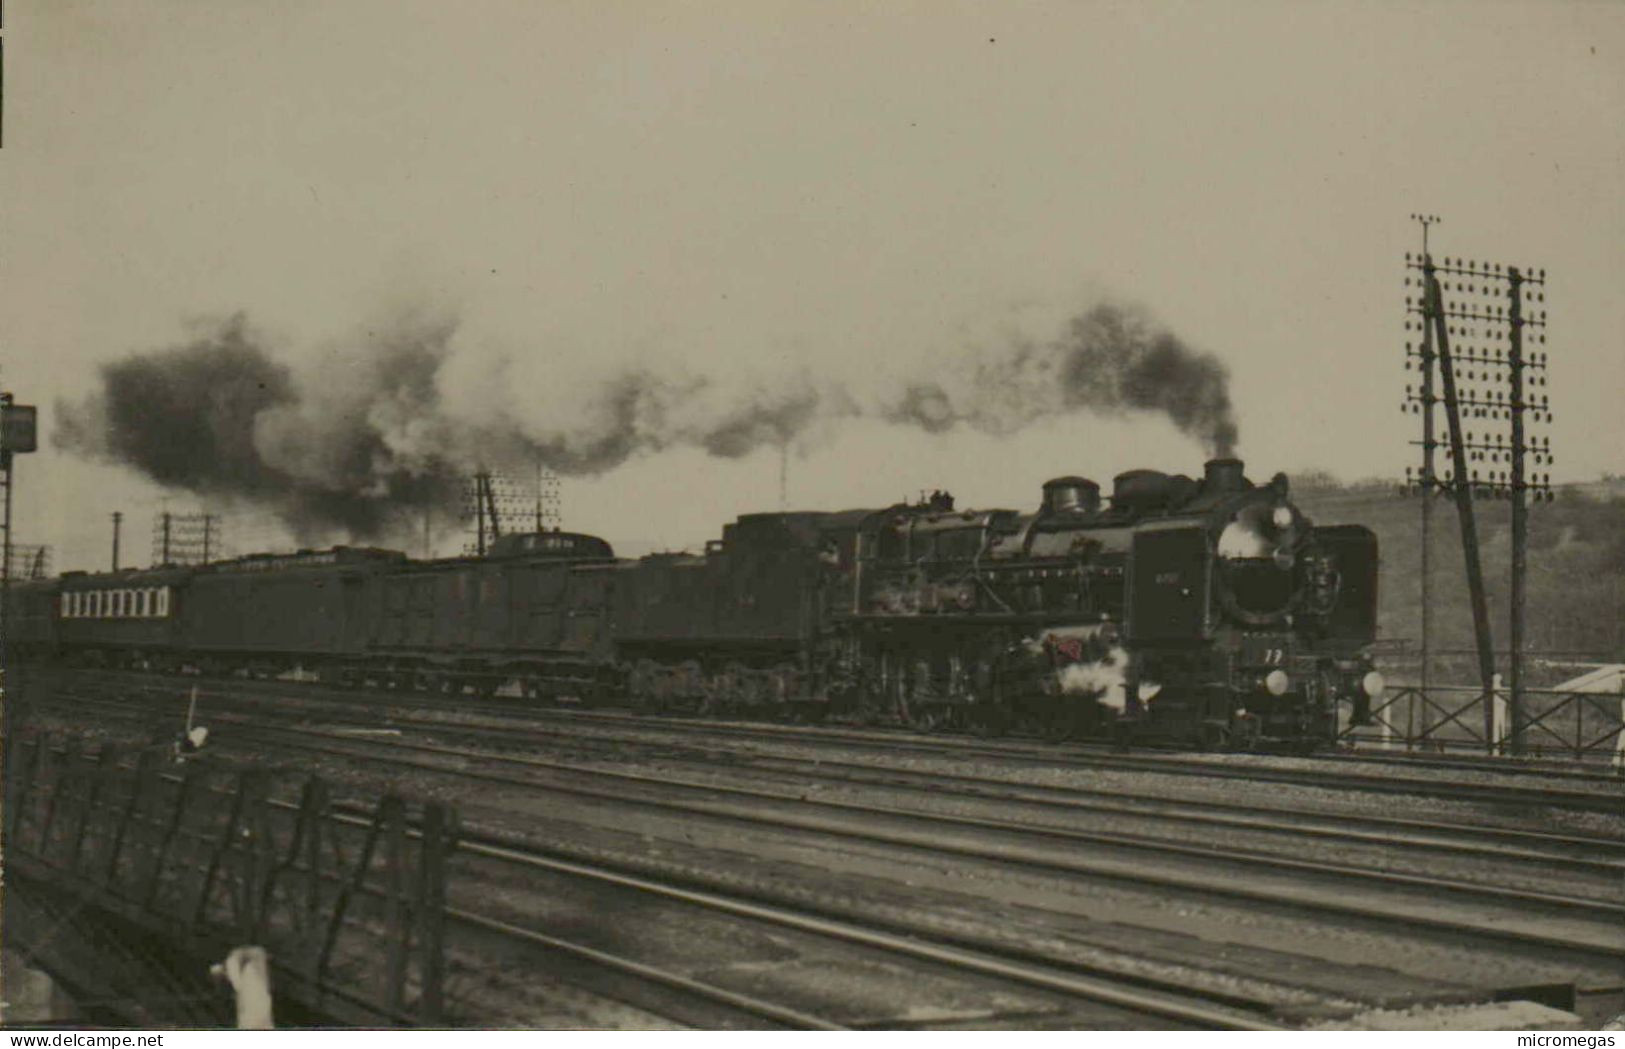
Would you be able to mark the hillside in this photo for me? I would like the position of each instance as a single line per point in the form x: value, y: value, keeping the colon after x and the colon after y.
x: 1576, y: 580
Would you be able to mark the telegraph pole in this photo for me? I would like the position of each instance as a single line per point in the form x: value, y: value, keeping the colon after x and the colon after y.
x: 1428, y: 477
x: 5, y: 470
x: 784, y: 476
x: 1500, y: 317
x: 1462, y: 488
x: 118, y: 519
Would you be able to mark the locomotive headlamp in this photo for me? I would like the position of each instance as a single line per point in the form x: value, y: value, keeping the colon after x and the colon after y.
x: 1276, y: 682
x: 1282, y: 517
x: 1373, y: 684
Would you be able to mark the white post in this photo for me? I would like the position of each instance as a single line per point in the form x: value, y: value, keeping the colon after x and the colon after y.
x: 1498, y: 697
x: 248, y: 970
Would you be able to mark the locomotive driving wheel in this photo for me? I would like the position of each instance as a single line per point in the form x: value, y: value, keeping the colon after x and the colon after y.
x: 989, y: 721
x: 1215, y: 736
x: 922, y: 716
x: 1063, y: 722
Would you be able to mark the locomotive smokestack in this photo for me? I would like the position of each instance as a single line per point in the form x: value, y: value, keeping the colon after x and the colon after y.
x: 1225, y: 475
x: 1066, y: 495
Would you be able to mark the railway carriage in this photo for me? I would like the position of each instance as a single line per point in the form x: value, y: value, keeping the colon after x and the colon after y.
x: 127, y: 618
x: 267, y: 614
x: 523, y: 612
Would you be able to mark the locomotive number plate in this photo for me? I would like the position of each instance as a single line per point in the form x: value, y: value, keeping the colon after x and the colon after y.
x: 1265, y: 651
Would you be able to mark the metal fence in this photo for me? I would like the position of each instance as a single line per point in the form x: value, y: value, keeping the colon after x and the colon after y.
x: 1582, y: 726
x: 350, y: 903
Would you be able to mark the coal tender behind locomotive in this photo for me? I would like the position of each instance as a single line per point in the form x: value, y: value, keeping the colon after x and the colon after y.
x: 1203, y: 612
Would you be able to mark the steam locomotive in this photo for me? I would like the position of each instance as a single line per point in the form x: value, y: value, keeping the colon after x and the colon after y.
x: 1190, y: 612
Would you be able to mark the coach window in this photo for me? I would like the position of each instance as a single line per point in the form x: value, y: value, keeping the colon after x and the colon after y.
x: 163, y: 601
x: 141, y: 603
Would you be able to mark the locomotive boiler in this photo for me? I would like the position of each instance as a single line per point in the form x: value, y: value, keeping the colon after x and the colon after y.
x: 1207, y: 612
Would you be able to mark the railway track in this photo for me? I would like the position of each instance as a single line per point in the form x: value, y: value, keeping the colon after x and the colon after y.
x: 1183, y: 1010
x: 1589, y: 792
x: 1550, y: 849
x: 1256, y: 877
x: 1560, y: 925
x: 913, y: 829
x: 1066, y: 994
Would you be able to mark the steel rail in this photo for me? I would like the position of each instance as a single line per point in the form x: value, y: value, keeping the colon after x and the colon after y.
x: 1208, y: 1011
x: 1249, y: 817
x: 951, y: 956
x: 1613, y: 948
x: 1022, y: 749
x: 792, y: 1018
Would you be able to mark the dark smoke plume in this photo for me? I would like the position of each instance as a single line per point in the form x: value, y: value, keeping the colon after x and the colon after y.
x: 1110, y: 360
x: 184, y: 417
x: 219, y: 418
x: 360, y: 444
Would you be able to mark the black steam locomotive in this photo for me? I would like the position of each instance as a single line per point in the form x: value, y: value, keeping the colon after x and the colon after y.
x: 1198, y: 612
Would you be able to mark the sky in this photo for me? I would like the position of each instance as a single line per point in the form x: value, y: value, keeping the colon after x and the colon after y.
x: 846, y: 194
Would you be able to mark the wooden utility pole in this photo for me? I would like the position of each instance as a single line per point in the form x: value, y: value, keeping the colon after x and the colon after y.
x: 118, y: 520
x: 1429, y: 475
x: 1501, y: 316
x: 1461, y: 484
